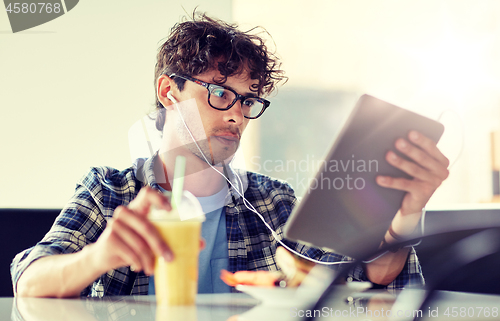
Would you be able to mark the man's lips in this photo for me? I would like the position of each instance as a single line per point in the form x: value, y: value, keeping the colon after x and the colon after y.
x: 228, y: 138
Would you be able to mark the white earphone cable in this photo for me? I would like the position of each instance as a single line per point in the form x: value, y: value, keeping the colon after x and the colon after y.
x: 245, y: 201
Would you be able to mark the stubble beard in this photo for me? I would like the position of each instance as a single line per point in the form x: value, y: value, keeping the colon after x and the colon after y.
x: 223, y: 154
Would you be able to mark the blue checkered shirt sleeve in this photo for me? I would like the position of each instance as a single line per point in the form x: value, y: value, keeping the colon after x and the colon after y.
x: 81, y: 222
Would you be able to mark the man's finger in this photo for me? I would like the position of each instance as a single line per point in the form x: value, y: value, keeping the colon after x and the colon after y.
x: 121, y: 249
x: 420, y: 157
x: 410, y: 168
x: 433, y: 174
x: 402, y: 184
x: 429, y: 146
x: 137, y: 245
x: 147, y: 231
x: 148, y: 197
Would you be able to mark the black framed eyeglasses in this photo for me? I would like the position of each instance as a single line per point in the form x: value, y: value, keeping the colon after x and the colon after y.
x: 222, y: 98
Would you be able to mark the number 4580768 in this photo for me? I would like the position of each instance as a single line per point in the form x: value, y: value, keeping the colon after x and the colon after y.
x: 33, y: 7
x: 471, y: 312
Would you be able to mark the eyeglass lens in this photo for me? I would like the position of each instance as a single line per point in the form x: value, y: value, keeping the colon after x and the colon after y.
x: 221, y: 97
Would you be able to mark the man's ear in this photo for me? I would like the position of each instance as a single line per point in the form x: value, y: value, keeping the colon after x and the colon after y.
x: 163, y: 86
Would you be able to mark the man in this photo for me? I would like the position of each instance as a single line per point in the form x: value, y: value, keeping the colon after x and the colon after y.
x: 208, y: 80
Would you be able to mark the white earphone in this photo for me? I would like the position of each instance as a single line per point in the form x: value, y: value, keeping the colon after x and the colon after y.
x: 172, y: 99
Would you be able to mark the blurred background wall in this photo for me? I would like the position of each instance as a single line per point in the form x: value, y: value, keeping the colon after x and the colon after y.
x: 70, y: 89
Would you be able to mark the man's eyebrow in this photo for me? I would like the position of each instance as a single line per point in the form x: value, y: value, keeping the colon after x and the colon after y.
x: 247, y: 94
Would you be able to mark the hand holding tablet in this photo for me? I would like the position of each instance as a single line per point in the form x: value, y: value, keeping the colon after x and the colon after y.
x: 384, y: 159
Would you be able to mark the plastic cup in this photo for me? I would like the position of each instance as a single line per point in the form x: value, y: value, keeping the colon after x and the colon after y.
x: 176, y: 282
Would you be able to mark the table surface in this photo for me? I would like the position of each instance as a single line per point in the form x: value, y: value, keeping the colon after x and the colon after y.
x: 370, y: 305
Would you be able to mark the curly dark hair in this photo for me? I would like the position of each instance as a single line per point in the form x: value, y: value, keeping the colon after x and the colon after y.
x: 203, y: 44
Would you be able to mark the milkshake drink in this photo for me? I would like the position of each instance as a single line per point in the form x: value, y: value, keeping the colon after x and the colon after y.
x: 176, y: 282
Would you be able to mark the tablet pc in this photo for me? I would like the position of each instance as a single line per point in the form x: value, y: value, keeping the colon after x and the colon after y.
x: 344, y: 209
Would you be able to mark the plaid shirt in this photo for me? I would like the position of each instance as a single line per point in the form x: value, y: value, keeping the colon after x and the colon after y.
x: 251, y: 245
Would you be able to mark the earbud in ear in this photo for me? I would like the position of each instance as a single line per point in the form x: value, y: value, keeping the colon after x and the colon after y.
x: 171, y: 97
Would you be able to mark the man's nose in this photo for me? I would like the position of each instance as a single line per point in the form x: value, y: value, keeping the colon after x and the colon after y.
x: 234, y: 114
